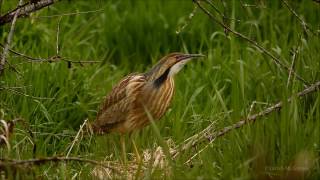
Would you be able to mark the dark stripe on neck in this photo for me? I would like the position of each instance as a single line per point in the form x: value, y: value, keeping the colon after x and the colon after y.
x: 160, y: 80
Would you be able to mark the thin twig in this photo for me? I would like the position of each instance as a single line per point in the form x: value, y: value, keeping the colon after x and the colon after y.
x: 224, y: 19
x: 31, y: 138
x: 69, y: 14
x: 295, y: 51
x: 215, y: 8
x: 24, y: 56
x: 223, y: 15
x: 14, y: 162
x: 10, y: 66
x: 253, y: 104
x: 79, y: 62
x: 294, y: 57
x: 25, y: 10
x: 213, y: 136
x: 303, y: 23
x: 197, y: 153
x: 24, y: 94
x: 265, y: 51
x: 191, y: 15
x: 9, y: 39
x: 57, y: 37
x: 51, y: 59
x: 76, y: 137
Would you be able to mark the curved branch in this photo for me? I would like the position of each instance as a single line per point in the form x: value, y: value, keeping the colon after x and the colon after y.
x: 4, y: 163
x: 254, y: 43
x: 25, y: 10
x: 210, y: 137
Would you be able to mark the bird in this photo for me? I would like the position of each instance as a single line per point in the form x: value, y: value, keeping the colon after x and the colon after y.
x: 140, y: 97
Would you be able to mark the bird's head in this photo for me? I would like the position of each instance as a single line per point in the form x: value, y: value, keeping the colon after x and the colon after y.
x: 169, y: 65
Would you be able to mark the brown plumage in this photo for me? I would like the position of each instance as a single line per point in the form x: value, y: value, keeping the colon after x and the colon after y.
x: 127, y: 106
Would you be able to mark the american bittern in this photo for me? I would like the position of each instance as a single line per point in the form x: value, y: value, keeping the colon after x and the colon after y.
x: 131, y: 102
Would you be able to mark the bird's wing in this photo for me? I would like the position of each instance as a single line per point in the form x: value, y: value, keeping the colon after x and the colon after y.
x: 118, y: 102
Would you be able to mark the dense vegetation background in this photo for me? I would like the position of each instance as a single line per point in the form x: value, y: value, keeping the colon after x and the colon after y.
x: 55, y: 97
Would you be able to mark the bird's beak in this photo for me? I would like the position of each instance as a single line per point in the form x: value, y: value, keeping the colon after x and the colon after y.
x: 189, y: 56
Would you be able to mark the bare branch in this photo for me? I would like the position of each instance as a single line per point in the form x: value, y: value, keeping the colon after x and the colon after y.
x: 24, y: 94
x: 69, y: 14
x: 254, y: 43
x: 11, y: 163
x: 76, y: 138
x: 213, y: 136
x: 294, y: 57
x: 23, y: 55
x: 223, y: 15
x: 51, y: 59
x: 80, y: 62
x: 180, y: 28
x: 9, y: 39
x: 25, y: 10
x: 305, y: 26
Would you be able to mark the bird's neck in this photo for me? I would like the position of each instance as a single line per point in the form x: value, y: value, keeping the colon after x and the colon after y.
x: 157, y: 99
x: 160, y: 80
x: 165, y: 85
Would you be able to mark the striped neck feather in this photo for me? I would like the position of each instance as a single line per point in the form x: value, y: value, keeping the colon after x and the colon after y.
x: 161, y: 79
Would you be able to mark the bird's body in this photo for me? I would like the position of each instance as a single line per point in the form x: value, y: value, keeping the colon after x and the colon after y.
x: 124, y: 109
x: 136, y: 97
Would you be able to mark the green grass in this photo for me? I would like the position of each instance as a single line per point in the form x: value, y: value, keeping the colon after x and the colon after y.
x: 129, y: 36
